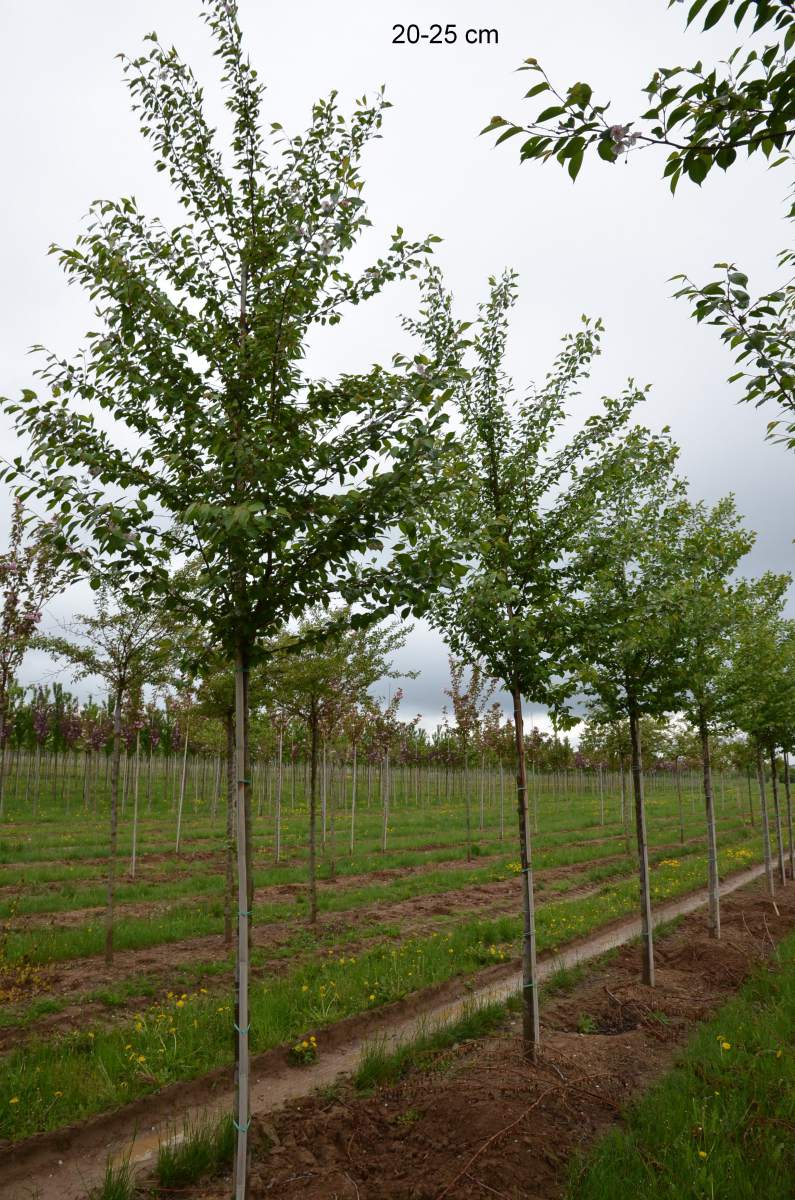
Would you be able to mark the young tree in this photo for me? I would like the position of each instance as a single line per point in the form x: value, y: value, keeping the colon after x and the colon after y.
x: 712, y: 543
x: 703, y: 118
x: 469, y: 704
x: 318, y: 674
x: 514, y: 500
x: 760, y: 686
x: 124, y: 646
x: 29, y: 578
x: 625, y: 564
x: 150, y: 444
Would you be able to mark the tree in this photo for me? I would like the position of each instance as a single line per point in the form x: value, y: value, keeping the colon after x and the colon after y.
x: 150, y: 445
x: 469, y: 704
x: 29, y: 578
x: 625, y: 566
x: 711, y: 546
x: 124, y: 646
x: 704, y: 118
x: 513, y: 503
x: 318, y: 674
x: 760, y: 686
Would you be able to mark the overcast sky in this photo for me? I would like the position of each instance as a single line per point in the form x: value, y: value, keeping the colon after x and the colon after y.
x: 605, y: 246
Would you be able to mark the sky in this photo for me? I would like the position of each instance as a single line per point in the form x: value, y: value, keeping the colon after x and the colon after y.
x: 606, y: 246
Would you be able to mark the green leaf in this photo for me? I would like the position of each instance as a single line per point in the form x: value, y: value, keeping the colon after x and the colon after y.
x: 694, y: 10
x: 575, y: 162
x: 715, y: 13
x: 548, y: 113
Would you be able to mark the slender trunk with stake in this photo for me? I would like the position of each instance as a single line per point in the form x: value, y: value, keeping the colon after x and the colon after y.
x: 313, y: 731
x: 531, y: 1025
x: 468, y: 803
x: 278, y: 814
x: 601, y: 796
x: 353, y: 799
x: 643, y: 851
x: 182, y: 790
x: 385, y: 802
x: 231, y: 790
x: 712, y: 844
x: 681, y: 805
x: 136, y: 772
x: 114, y: 825
x: 242, y: 1120
x: 788, y: 795
x: 760, y: 775
x: 777, y: 813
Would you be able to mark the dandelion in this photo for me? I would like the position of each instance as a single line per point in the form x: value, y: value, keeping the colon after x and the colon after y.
x: 702, y: 1154
x: 725, y: 1045
x: 14, y: 1100
x: 180, y: 1004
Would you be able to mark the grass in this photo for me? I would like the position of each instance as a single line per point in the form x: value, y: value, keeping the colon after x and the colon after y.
x: 118, y: 1183
x: 722, y: 1123
x: 204, y: 1148
x: 381, y: 1066
x: 183, y: 1036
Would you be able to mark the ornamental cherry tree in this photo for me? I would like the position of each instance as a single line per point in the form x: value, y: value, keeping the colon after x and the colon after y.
x: 29, y: 578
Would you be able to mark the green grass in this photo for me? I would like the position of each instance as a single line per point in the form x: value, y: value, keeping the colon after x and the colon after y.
x: 204, y: 1148
x: 722, y: 1123
x: 380, y: 1066
x: 118, y: 1183
x: 90, y: 1071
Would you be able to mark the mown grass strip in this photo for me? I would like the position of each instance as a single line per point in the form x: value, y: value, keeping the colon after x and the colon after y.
x: 722, y: 1123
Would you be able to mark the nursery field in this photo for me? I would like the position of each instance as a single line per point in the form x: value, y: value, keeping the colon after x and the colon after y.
x: 79, y: 1036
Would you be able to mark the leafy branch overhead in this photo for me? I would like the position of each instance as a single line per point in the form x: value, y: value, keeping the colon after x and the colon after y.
x: 704, y: 117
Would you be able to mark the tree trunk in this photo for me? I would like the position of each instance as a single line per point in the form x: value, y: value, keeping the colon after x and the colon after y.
x: 760, y: 775
x: 278, y: 813
x: 136, y: 771
x: 231, y: 789
x: 313, y: 732
x: 384, y: 802
x: 712, y: 845
x: 182, y: 789
x: 468, y: 805
x: 624, y: 807
x: 681, y: 805
x: 788, y: 795
x: 643, y: 851
x: 353, y: 800
x: 114, y: 825
x: 243, y: 924
x: 531, y: 1026
x: 777, y: 812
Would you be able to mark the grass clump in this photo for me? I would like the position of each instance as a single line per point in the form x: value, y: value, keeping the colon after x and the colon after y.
x: 118, y: 1182
x: 381, y: 1066
x: 204, y: 1149
x: 721, y: 1123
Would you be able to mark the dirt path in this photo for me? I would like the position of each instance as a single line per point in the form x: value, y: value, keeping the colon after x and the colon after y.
x: 62, y: 1165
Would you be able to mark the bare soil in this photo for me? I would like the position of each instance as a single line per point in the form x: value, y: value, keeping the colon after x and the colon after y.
x: 419, y: 1134
x: 483, y: 1122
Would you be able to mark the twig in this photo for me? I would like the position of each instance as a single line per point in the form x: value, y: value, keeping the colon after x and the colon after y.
x: 485, y: 1186
x: 352, y: 1181
x: 494, y: 1137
